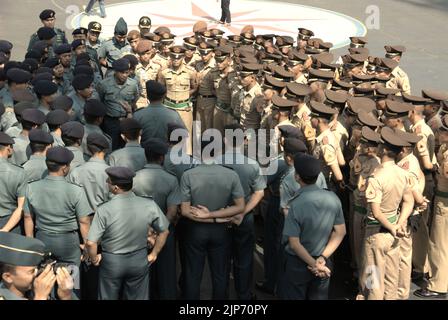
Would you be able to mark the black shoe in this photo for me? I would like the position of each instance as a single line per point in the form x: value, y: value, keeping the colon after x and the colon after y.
x: 428, y: 294
x: 261, y: 286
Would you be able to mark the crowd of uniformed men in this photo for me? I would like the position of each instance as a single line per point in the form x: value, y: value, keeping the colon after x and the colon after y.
x: 86, y: 165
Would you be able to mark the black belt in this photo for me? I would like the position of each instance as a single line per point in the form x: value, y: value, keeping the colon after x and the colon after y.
x: 176, y: 101
x: 207, y: 96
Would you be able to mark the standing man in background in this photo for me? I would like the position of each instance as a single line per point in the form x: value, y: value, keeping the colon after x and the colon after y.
x: 101, y: 5
x: 225, y: 15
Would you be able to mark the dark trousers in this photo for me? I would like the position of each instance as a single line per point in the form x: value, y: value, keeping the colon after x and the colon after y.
x: 163, y: 271
x: 225, y: 9
x: 273, y: 228
x: 111, y: 126
x: 127, y: 274
x: 65, y: 246
x: 298, y: 283
x: 206, y: 240
x: 243, y: 246
x: 89, y: 282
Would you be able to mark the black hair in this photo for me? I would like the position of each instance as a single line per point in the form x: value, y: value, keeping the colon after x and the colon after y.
x: 4, y: 268
x: 132, y: 134
x: 53, y: 166
x: 93, y: 148
x: 151, y: 156
x: 37, y: 147
x: 391, y: 151
x: 90, y: 119
x: 124, y: 186
x: 69, y: 141
x: 26, y: 125
x: 53, y: 127
x: 309, y: 180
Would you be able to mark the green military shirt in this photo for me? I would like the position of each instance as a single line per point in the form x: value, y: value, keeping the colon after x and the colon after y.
x: 131, y: 156
x: 312, y: 214
x: 92, y: 177
x: 177, y: 162
x: 122, y: 224
x: 6, y: 294
x: 35, y: 168
x: 43, y: 108
x: 211, y: 185
x: 12, y: 186
x: 154, y: 121
x: 7, y: 120
x: 248, y: 171
x: 289, y: 186
x: 112, y: 94
x: 157, y: 183
x: 14, y: 131
x: 88, y: 129
x: 78, y: 107
x: 111, y: 50
x: 78, y: 159
x: 21, y: 150
x: 57, y: 41
x: 56, y: 204
x: 57, y: 140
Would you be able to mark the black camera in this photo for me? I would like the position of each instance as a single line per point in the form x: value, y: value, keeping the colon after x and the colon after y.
x: 51, y: 259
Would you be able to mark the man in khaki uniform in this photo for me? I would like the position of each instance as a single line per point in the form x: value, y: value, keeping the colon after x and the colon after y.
x: 301, y: 113
x: 146, y: 70
x: 387, y: 188
x: 425, y: 153
x: 362, y: 166
x: 221, y: 76
x: 408, y: 162
x: 395, y: 53
x: 251, y: 95
x: 192, y: 55
x: 387, y: 68
x: 180, y: 86
x: 438, y: 242
x: 325, y: 146
x: 206, y: 99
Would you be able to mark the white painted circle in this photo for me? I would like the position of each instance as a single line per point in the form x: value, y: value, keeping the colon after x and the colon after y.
x: 266, y: 16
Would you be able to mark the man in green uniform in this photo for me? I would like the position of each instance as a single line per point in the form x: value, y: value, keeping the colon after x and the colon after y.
x: 46, y: 92
x: 19, y: 258
x: 31, y: 119
x: 243, y: 237
x: 94, y: 112
x: 40, y: 142
x: 156, y: 182
x: 155, y: 118
x: 83, y: 91
x: 91, y: 175
x: 122, y: 225
x: 210, y: 194
x: 12, y: 190
x: 119, y: 93
x: 59, y: 208
x: 55, y: 119
x: 132, y: 155
x: 48, y: 19
x: 113, y: 49
x: 93, y: 36
x: 315, y: 228
x: 72, y: 134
